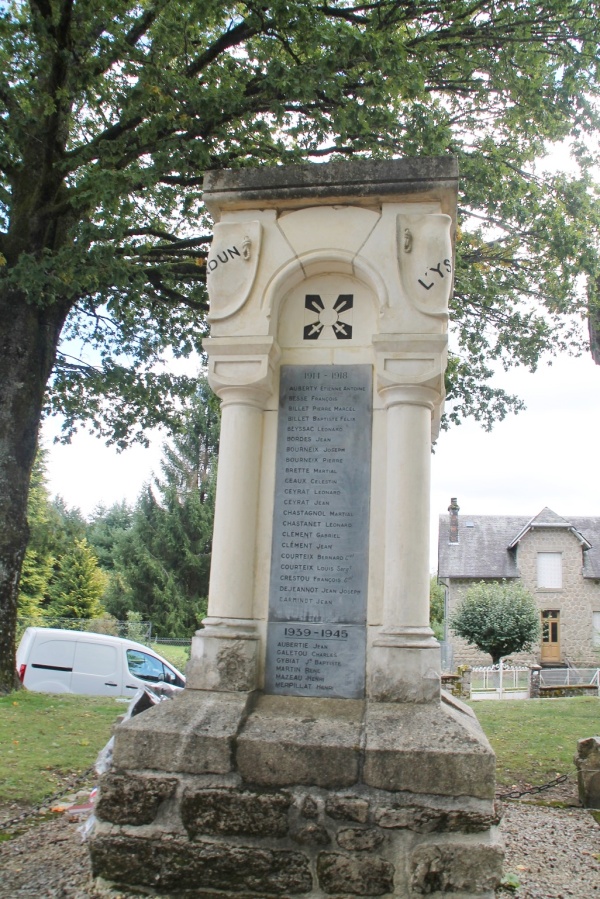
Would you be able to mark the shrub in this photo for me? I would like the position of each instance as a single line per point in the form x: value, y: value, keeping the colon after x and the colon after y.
x: 498, y: 617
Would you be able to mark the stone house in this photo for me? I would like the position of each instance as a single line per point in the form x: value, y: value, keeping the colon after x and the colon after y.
x: 556, y: 559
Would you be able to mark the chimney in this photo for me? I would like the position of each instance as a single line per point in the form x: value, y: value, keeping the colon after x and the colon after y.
x: 453, y: 509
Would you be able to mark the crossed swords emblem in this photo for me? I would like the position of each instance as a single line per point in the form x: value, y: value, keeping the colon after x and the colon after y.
x: 328, y: 315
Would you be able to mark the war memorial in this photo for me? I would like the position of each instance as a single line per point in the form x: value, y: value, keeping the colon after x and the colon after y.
x: 312, y: 753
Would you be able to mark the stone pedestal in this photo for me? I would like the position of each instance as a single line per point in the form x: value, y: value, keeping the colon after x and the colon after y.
x: 223, y: 795
x: 587, y: 762
x: 311, y: 753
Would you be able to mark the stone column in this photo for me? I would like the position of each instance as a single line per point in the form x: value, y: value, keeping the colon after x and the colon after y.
x: 405, y: 659
x: 534, y: 681
x: 225, y: 651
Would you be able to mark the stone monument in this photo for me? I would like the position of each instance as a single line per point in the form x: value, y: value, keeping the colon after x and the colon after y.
x: 311, y: 753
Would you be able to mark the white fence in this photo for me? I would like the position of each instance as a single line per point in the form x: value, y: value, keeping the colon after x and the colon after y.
x: 570, y: 677
x: 500, y: 681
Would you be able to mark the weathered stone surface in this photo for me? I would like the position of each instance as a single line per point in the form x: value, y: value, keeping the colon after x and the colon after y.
x: 587, y: 762
x: 427, y: 748
x: 348, y: 808
x: 354, y: 839
x: 169, y: 864
x: 131, y: 799
x: 400, y: 675
x: 192, y: 733
x: 429, y: 820
x: 230, y: 812
x: 309, y: 808
x: 200, y: 893
x: 312, y: 835
x: 473, y: 868
x: 225, y: 665
x: 423, y: 177
x: 293, y: 740
x: 342, y: 874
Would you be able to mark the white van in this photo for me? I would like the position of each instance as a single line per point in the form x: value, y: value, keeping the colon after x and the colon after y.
x: 62, y: 661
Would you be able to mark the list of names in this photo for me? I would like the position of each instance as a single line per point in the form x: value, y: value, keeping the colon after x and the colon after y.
x: 319, y: 571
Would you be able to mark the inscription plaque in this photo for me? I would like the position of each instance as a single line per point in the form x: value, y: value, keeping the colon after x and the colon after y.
x: 316, y: 640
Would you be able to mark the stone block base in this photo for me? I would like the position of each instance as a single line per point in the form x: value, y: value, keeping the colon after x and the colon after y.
x: 270, y: 796
x: 587, y: 762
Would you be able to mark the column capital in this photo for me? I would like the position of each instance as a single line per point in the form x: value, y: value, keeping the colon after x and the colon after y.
x: 410, y: 370
x: 241, y: 369
x: 409, y: 395
x: 408, y: 359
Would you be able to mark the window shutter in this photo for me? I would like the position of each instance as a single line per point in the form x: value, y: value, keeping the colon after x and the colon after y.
x: 549, y: 570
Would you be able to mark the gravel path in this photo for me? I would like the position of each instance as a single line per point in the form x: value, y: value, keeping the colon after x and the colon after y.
x: 554, y: 852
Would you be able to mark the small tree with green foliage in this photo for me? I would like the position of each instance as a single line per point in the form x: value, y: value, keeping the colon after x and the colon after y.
x: 79, y: 584
x: 38, y: 564
x: 499, y: 617
x: 136, y: 628
x: 54, y: 529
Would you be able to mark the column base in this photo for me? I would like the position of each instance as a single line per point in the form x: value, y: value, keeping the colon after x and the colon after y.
x: 224, y: 656
x: 404, y: 665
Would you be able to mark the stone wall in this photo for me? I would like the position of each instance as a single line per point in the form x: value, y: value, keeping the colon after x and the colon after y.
x: 578, y: 598
x: 249, y: 842
x: 304, y: 797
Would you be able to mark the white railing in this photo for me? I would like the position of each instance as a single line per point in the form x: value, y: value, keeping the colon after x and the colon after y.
x: 500, y: 681
x: 570, y: 677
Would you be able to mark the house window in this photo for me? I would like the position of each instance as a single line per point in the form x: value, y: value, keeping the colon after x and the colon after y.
x: 596, y: 629
x: 549, y: 571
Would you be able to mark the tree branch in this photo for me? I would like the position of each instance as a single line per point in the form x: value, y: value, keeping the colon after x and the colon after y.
x: 228, y: 39
x: 139, y: 29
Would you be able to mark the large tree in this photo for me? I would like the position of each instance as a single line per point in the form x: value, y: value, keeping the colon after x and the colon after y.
x: 110, y: 112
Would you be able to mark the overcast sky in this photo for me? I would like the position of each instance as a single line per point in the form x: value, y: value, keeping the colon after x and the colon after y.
x: 545, y: 456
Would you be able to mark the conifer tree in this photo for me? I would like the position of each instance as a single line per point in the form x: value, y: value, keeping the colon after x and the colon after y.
x: 162, y: 563
x: 104, y: 530
x: 78, y: 585
x: 38, y: 564
x: 55, y: 531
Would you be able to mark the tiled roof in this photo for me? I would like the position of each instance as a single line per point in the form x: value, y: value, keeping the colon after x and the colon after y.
x: 483, y: 544
x: 549, y: 519
x: 590, y: 529
x: 481, y: 551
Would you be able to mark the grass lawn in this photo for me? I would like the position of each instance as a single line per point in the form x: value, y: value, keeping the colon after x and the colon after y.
x: 535, y: 739
x: 176, y: 655
x: 44, y: 737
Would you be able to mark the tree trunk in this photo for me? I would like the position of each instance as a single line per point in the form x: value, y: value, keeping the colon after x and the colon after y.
x: 29, y: 337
